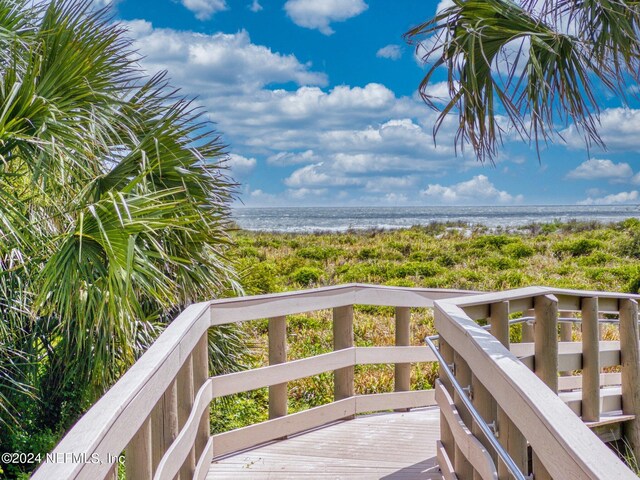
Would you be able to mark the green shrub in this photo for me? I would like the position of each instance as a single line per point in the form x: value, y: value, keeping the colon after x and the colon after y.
x: 368, y: 253
x: 320, y: 253
x: 518, y: 250
x: 576, y: 248
x: 417, y: 269
x: 307, y: 275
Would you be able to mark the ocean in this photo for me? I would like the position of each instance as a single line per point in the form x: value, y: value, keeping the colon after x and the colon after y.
x: 314, y: 219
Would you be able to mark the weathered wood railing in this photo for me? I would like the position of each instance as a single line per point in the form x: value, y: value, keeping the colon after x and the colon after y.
x: 540, y: 430
x: 158, y: 413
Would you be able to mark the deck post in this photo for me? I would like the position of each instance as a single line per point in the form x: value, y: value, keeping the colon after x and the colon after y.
x: 139, y: 464
x: 277, y: 354
x: 528, y: 335
x: 446, y: 436
x: 590, y: 360
x: 546, y: 340
x: 499, y: 321
x: 546, y: 356
x: 508, y: 435
x: 402, y: 375
x: 201, y: 375
x: 630, y: 362
x: 461, y: 465
x: 566, y: 333
x: 343, y: 386
x: 185, y: 404
x: 157, y: 434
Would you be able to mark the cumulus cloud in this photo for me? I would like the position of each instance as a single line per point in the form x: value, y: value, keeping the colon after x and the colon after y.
x: 619, y: 128
x: 240, y: 165
x: 596, y: 169
x: 475, y: 191
x: 347, y: 136
x: 615, y: 198
x: 205, y: 9
x: 318, y: 15
x: 220, y: 63
x: 313, y: 175
x: 392, y: 52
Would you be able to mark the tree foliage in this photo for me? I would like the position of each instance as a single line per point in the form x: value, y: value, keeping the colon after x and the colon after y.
x: 114, y: 205
x: 540, y: 63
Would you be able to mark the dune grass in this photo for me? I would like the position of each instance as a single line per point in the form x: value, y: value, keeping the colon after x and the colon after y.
x: 569, y: 255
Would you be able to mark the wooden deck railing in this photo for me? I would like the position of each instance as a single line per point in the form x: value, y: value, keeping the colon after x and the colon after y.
x: 540, y: 430
x: 158, y: 412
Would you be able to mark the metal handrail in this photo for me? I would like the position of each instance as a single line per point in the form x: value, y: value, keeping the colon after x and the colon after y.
x: 484, y: 427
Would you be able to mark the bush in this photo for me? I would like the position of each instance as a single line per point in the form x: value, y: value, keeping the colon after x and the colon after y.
x: 307, y: 275
x: 518, y: 250
x: 576, y: 248
x: 319, y: 253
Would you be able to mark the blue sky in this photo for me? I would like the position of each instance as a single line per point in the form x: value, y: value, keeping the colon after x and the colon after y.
x: 316, y: 100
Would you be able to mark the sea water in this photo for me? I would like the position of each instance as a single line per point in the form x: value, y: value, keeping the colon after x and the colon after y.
x: 313, y: 219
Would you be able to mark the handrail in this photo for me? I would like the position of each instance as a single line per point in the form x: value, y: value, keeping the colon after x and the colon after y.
x: 170, y: 370
x: 484, y: 427
x: 564, y: 442
x: 114, y: 421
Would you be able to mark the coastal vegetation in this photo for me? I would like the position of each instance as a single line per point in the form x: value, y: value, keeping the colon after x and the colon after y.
x: 567, y: 255
x: 113, y: 216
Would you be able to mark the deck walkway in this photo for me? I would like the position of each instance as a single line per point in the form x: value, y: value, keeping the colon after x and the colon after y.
x: 390, y: 446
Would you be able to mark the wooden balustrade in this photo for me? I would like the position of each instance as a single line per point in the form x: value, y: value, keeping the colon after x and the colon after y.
x: 159, y: 413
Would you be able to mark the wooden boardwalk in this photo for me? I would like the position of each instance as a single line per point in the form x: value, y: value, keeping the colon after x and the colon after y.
x: 391, y: 446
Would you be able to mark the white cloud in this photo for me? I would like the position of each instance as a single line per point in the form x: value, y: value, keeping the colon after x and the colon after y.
x: 255, y: 6
x: 318, y: 15
x: 312, y: 175
x: 392, y: 52
x: 240, y: 165
x: 303, y: 193
x: 282, y: 159
x: 475, y: 191
x: 619, y: 128
x: 220, y: 63
x: 596, y: 169
x: 205, y: 9
x: 615, y: 198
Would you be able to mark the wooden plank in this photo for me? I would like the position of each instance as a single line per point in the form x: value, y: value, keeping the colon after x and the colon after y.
x: 277, y: 354
x: 402, y: 371
x: 394, y: 400
x: 546, y: 340
x: 225, y: 443
x: 343, y: 386
x: 240, y: 309
x: 552, y: 430
x: 590, y: 360
x: 186, y: 396
x: 446, y: 467
x: 610, y: 400
x: 574, y: 382
x: 139, y: 454
x: 202, y: 468
x: 284, y: 372
x: 181, y: 450
x: 390, y: 296
x: 514, y: 442
x: 499, y: 321
x: 468, y: 445
x: 401, y: 446
x: 380, y: 355
x: 116, y: 417
x: 570, y: 354
x: 630, y: 361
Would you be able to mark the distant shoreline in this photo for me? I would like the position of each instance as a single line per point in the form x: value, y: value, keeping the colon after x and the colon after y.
x: 354, y: 219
